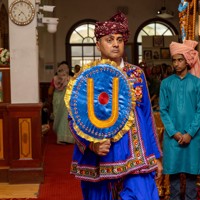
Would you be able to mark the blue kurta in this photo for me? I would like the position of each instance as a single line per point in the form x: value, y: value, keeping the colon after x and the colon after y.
x: 134, y: 153
x: 180, y: 112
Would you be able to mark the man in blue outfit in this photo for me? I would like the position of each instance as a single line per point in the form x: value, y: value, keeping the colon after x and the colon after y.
x: 125, y: 167
x: 180, y: 113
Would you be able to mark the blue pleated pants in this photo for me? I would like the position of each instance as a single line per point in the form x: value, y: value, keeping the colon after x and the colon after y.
x: 134, y: 187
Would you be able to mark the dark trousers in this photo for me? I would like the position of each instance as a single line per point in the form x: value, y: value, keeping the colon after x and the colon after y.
x: 190, y: 190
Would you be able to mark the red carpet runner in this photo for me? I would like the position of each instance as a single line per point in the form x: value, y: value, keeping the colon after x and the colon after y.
x: 58, y: 183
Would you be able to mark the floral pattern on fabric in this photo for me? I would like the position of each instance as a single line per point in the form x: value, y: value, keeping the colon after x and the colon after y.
x: 135, y: 164
x: 135, y: 153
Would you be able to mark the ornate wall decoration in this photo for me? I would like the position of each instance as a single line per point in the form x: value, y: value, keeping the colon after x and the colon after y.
x: 187, y: 15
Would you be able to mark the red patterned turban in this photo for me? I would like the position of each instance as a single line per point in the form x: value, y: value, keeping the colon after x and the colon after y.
x: 187, y: 49
x: 118, y: 24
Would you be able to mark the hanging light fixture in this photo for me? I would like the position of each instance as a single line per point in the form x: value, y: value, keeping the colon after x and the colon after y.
x: 164, y: 13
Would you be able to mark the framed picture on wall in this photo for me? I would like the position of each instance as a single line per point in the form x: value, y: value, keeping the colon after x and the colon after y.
x: 158, y: 41
x: 165, y: 53
x: 147, y: 54
x: 156, y: 54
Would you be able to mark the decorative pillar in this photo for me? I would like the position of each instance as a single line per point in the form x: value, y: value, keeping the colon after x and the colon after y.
x: 24, y: 61
x: 21, y: 152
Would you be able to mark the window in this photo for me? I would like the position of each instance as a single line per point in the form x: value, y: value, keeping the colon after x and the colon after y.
x: 81, y: 44
x: 152, y: 28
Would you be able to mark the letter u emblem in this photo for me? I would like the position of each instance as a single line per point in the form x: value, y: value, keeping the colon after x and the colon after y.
x: 115, y: 105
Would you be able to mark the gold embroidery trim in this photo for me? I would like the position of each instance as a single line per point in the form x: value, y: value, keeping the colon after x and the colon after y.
x: 131, y: 120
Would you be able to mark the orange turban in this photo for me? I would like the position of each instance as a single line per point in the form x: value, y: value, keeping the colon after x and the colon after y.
x: 118, y: 24
x: 187, y: 49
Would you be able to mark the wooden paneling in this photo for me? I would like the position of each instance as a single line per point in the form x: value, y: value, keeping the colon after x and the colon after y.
x: 25, y: 138
x: 1, y: 140
x: 4, y: 136
x: 22, y: 143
